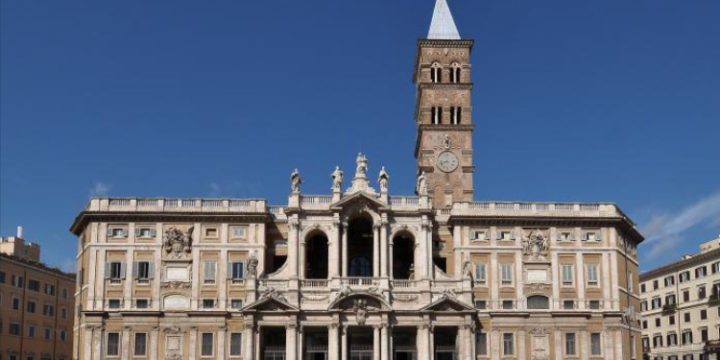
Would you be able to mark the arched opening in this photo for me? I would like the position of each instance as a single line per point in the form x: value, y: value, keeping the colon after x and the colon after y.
x: 360, y: 247
x: 538, y: 302
x: 403, y: 256
x: 455, y: 73
x: 436, y: 73
x: 316, y: 256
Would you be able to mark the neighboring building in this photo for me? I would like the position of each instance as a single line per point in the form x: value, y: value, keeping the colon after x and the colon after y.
x: 36, y: 304
x: 681, y: 307
x: 359, y: 273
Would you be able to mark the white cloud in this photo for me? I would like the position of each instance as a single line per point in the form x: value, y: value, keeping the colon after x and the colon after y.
x: 100, y: 189
x: 664, y: 232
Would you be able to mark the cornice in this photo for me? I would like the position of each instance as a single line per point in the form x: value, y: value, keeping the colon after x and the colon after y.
x: 86, y: 217
x: 681, y: 264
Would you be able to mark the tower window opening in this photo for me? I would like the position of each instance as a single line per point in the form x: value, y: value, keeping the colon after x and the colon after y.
x: 455, y: 74
x: 436, y: 73
x: 456, y: 115
x: 436, y: 115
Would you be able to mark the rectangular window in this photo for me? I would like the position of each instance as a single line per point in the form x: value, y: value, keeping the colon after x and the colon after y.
x: 670, y: 299
x: 669, y: 281
x: 207, y: 345
x: 684, y: 276
x: 568, y: 304
x: 703, y: 314
x: 14, y: 329
x: 140, y: 344
x: 642, y: 288
x: 143, y: 270
x: 239, y: 233
x: 209, y: 272
x: 592, y: 274
x: 656, y: 303
x: 113, y: 342
x: 30, y: 307
x: 48, y: 310
x: 570, y: 344
x: 481, y: 343
x: 703, y: 335
x: 117, y: 232
x: 686, y: 295
x: 115, y: 270
x: 142, y: 303
x: 715, y: 268
x: 235, y: 344
x: 567, y: 274
x: 595, y: 344
x: 144, y: 232
x: 208, y: 303
x: 15, y: 303
x: 33, y: 285
x: 236, y: 303
x: 594, y: 304
x: 700, y: 272
x: 506, y: 274
x: 701, y: 292
x: 671, y: 319
x: 211, y: 232
x: 480, y: 273
x: 31, y: 331
x: 507, y: 304
x: 49, y: 289
x: 2, y: 277
x: 508, y: 344
x: 687, y: 317
x: 478, y: 235
x: 114, y: 303
x: 237, y: 270
x: 480, y: 304
x: 17, y: 281
x: 47, y: 333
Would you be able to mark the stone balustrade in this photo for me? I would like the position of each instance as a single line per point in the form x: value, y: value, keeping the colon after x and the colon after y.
x: 176, y: 205
x: 536, y: 209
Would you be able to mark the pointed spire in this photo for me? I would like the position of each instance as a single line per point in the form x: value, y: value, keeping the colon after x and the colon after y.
x: 442, y: 26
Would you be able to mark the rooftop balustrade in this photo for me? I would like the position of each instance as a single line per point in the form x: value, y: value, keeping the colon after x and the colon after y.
x: 176, y: 205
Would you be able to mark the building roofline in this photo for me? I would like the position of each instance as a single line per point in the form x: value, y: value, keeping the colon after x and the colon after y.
x: 696, y: 259
x: 38, y: 265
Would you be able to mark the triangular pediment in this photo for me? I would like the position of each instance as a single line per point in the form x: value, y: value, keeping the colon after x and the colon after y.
x: 446, y: 303
x: 359, y: 199
x: 270, y: 303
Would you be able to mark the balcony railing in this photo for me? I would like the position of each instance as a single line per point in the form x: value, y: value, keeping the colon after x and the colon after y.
x: 714, y: 299
x: 359, y: 282
x: 314, y: 283
x: 669, y: 309
x: 712, y: 346
x: 403, y: 284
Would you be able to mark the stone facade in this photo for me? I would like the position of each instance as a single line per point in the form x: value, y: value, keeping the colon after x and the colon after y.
x: 681, y: 307
x: 359, y: 273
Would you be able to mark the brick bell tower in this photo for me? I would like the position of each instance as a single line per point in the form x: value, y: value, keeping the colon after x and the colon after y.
x: 443, y: 114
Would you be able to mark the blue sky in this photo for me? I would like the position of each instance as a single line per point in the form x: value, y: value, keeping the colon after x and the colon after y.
x: 574, y: 101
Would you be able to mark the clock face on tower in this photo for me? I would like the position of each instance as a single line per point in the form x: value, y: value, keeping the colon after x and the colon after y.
x: 447, y: 161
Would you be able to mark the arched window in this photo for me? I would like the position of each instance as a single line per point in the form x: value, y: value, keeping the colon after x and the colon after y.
x: 538, y: 302
x: 360, y: 266
x: 436, y: 73
x: 455, y: 73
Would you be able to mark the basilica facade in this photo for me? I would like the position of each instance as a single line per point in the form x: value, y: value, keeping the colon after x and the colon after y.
x: 361, y: 273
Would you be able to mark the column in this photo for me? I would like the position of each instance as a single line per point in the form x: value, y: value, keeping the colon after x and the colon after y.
x: 97, y: 343
x: 558, y: 344
x: 384, y: 248
x: 580, y: 280
x: 344, y: 250
x: 584, y: 345
x: 493, y: 280
x: 334, y: 251
x: 301, y: 256
x: 291, y: 342
x: 619, y: 344
x: 519, y: 281
x: 556, y: 280
x: 248, y: 341
x: 431, y: 341
x: 292, y: 259
x: 193, y: 343
x: 343, y: 343
x: 196, y: 278
x: 495, y: 345
x: 605, y: 284
x: 125, y: 349
x: 156, y: 280
x: 300, y: 343
x: 99, y: 281
x: 221, y: 342
x: 421, y: 342
x: 256, y: 336
x: 154, y: 344
x: 457, y: 256
x: 376, y: 250
x: 333, y: 340
x: 521, y: 345
x: 87, y: 343
x: 384, y: 342
x: 222, y: 278
x: 376, y: 342
x: 91, y: 278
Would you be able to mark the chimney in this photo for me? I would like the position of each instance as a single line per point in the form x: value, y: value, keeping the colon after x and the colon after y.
x: 19, y: 232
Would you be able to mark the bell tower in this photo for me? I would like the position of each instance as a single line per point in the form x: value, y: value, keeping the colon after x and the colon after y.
x: 443, y: 114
